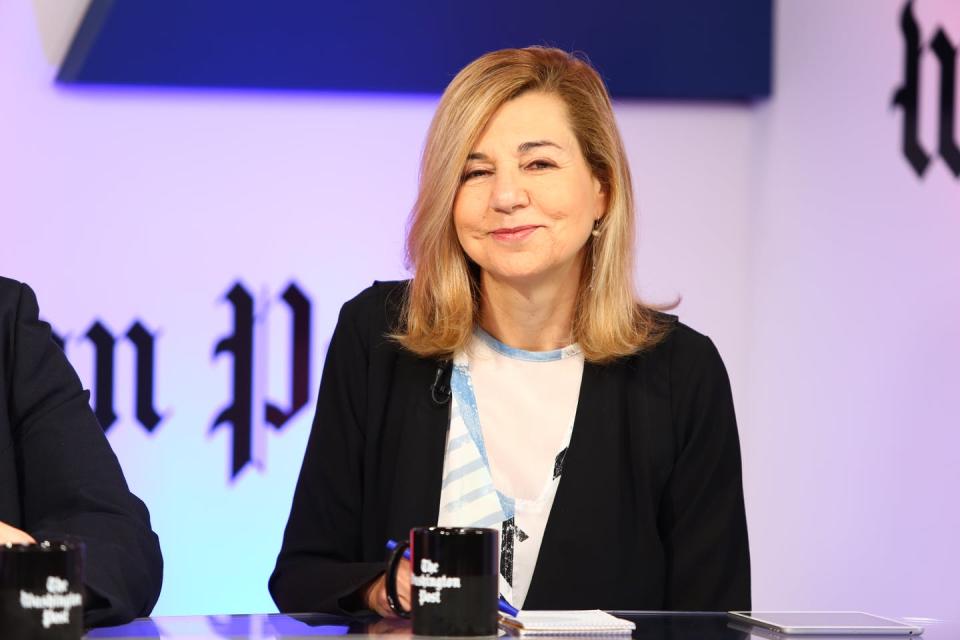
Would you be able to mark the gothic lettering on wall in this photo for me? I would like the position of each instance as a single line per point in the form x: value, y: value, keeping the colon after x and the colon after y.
x: 143, y: 342
x: 244, y: 412
x: 300, y: 360
x: 104, y: 344
x: 907, y: 96
x: 239, y: 414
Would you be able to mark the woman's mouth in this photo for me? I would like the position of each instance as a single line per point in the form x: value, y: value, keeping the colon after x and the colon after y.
x: 514, y: 234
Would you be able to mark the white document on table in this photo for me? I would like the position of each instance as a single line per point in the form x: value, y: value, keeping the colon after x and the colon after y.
x: 565, y: 623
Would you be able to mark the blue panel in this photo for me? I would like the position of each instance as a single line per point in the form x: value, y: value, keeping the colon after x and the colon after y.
x: 689, y: 49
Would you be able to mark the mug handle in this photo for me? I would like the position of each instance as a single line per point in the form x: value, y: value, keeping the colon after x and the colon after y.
x: 393, y: 563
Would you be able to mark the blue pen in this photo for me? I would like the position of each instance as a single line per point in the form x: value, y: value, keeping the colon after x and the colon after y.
x: 502, y: 605
x: 507, y: 608
x: 392, y: 544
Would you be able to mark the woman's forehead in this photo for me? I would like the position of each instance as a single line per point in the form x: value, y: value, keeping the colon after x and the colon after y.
x: 527, y: 122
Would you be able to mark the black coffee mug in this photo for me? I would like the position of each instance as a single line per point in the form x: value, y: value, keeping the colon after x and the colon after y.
x: 41, y: 590
x: 455, y: 583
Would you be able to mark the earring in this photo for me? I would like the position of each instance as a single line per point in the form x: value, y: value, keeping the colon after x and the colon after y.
x: 593, y: 261
x: 596, y: 228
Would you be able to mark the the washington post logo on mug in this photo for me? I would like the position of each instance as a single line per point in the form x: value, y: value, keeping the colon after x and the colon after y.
x: 455, y: 582
x: 41, y: 590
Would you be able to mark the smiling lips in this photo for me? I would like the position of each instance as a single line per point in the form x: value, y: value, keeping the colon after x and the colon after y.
x: 514, y: 234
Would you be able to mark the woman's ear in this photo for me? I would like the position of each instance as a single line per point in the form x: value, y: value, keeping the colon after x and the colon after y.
x: 602, y: 197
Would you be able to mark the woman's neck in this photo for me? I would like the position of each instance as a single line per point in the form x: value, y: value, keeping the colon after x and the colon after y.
x: 530, y: 316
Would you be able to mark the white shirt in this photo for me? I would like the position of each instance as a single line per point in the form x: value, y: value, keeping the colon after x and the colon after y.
x: 511, y: 418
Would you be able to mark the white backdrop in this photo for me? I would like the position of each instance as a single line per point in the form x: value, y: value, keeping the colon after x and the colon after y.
x: 797, y: 235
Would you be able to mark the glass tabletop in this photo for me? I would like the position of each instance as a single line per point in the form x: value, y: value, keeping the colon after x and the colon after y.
x: 650, y: 626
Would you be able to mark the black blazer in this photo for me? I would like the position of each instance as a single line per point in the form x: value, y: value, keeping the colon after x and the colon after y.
x: 58, y: 476
x: 648, y: 515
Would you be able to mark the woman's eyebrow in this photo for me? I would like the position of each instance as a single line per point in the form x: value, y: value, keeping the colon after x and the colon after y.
x: 529, y: 146
x: 524, y: 147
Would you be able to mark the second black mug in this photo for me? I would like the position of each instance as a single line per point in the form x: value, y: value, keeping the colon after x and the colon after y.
x: 41, y: 591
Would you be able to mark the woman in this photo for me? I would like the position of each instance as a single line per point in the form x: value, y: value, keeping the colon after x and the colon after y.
x: 515, y: 381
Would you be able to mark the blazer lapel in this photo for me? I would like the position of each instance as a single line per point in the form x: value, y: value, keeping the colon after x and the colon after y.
x: 578, y: 497
x: 422, y: 445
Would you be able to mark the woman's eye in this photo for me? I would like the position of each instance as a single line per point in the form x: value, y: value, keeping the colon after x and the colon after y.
x: 540, y: 164
x: 475, y: 173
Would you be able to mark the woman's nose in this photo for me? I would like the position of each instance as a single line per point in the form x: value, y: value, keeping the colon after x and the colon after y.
x: 509, y: 193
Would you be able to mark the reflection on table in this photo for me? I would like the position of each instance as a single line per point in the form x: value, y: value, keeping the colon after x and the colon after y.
x: 650, y: 626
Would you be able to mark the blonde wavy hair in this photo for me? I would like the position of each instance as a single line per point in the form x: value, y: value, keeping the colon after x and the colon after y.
x: 442, y: 303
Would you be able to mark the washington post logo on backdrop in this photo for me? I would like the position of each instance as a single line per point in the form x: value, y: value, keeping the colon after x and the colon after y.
x: 242, y: 411
x: 917, y: 51
x: 247, y: 408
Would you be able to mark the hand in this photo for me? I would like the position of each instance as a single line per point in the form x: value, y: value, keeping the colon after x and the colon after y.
x: 12, y: 535
x: 376, y: 594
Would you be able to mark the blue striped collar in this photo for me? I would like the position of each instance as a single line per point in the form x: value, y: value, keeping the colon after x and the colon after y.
x: 522, y: 354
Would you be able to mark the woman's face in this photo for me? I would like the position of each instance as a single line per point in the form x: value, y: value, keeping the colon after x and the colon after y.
x: 528, y: 201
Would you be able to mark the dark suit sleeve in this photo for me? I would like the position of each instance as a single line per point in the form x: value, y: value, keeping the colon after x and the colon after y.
x: 320, y: 565
x: 70, y: 480
x: 702, y: 521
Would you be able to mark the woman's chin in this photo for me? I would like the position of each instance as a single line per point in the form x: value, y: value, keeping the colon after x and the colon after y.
x: 522, y: 277
x: 528, y: 273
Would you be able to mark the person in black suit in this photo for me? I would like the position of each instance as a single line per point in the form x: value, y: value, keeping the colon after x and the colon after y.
x: 516, y: 382
x: 59, y: 478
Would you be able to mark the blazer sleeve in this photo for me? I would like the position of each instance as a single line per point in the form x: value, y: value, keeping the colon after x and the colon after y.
x: 319, y: 567
x: 71, y: 483
x: 702, y: 518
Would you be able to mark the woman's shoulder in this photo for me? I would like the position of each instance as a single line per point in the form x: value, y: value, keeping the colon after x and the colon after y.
x: 377, y: 308
x: 683, y: 349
